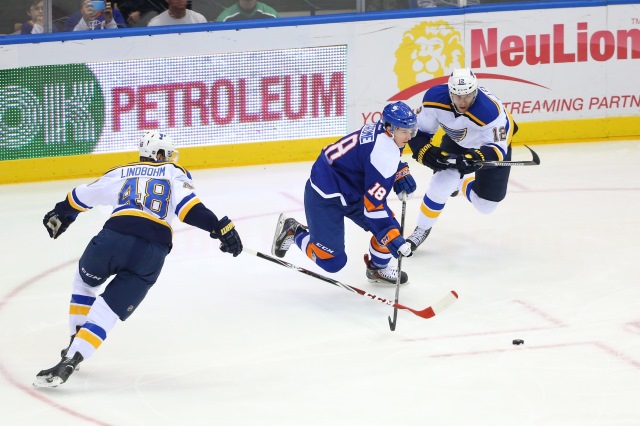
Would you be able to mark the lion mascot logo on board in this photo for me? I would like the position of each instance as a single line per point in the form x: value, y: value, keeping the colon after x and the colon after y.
x: 427, y: 51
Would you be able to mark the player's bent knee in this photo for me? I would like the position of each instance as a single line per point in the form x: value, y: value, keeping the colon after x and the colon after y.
x: 485, y: 206
x: 334, y: 264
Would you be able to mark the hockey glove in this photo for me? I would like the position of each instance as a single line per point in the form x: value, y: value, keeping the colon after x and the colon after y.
x: 399, y: 246
x: 468, y: 162
x: 229, y: 238
x: 433, y: 157
x: 404, y: 181
x: 56, y: 224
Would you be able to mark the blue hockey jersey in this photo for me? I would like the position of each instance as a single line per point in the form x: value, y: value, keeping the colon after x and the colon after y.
x: 361, y: 168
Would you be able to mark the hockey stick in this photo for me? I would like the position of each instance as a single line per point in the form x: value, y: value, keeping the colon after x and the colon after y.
x: 426, y: 313
x: 392, y: 324
x: 533, y: 162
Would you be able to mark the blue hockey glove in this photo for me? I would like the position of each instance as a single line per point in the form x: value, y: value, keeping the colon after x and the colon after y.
x: 399, y: 246
x: 468, y: 161
x: 56, y: 224
x: 404, y: 181
x: 229, y: 238
x: 433, y: 157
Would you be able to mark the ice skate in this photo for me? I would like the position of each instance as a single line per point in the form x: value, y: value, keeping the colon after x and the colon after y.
x: 284, y: 235
x: 387, y: 275
x: 59, y: 374
x: 417, y: 237
x: 63, y: 353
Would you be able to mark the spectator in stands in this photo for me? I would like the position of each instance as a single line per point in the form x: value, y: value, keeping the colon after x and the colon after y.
x: 138, y: 13
x: 90, y: 17
x: 177, y: 14
x: 35, y: 10
x: 247, y: 9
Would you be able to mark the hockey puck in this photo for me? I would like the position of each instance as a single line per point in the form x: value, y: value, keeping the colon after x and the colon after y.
x: 518, y: 342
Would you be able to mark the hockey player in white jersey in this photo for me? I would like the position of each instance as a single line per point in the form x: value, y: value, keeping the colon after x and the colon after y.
x: 351, y: 179
x: 477, y: 127
x: 146, y: 196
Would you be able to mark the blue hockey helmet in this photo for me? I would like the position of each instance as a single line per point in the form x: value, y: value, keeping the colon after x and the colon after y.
x: 400, y: 115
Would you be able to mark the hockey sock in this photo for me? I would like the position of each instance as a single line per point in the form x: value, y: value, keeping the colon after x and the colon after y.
x: 301, y: 238
x: 82, y: 297
x: 429, y: 212
x: 100, y: 322
x: 380, y: 255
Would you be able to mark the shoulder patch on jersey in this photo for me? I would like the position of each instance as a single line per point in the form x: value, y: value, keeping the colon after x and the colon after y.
x: 188, y: 186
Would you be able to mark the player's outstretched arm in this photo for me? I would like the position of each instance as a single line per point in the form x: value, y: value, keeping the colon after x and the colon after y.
x: 229, y: 238
x: 58, y: 220
x: 56, y: 223
x: 219, y: 229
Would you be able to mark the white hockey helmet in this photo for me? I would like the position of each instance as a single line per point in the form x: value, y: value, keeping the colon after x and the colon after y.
x: 462, y: 82
x: 153, y: 142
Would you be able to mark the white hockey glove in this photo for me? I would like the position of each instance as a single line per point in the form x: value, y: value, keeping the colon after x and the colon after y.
x: 399, y: 246
x: 405, y: 250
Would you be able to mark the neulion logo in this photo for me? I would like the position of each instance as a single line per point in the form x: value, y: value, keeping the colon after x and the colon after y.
x: 428, y: 53
x: 488, y: 49
x: 49, y: 111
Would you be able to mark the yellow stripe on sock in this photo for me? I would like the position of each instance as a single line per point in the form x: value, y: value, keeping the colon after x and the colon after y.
x: 93, y: 340
x: 428, y: 212
x: 79, y: 310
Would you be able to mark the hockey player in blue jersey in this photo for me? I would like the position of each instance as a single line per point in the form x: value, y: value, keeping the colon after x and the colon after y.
x: 352, y: 179
x: 146, y: 196
x: 477, y: 128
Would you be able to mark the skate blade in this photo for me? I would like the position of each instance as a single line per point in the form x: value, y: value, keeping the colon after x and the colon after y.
x: 385, y: 282
x: 279, y: 227
x: 47, y: 382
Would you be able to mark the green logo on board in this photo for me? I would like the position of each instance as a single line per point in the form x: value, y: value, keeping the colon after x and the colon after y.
x: 49, y: 111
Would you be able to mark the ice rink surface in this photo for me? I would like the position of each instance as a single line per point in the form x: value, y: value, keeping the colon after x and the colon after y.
x: 242, y: 341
